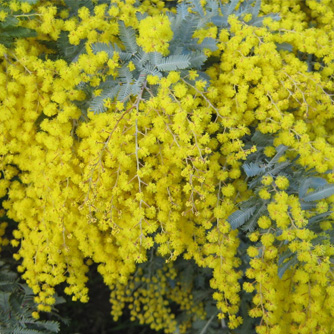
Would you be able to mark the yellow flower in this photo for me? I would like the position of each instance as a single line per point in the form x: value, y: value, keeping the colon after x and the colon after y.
x: 264, y: 194
x: 267, y: 180
x: 252, y: 251
x: 154, y: 34
x: 267, y: 239
x: 282, y: 182
x: 228, y: 190
x: 3, y: 15
x: 254, y: 236
x: 264, y: 222
x: 131, y: 66
x: 152, y: 79
x: 269, y: 151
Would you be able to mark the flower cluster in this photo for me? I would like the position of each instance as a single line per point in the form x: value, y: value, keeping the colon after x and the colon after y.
x: 164, y: 173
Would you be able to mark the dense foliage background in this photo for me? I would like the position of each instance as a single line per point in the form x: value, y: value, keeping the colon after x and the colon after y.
x: 169, y: 163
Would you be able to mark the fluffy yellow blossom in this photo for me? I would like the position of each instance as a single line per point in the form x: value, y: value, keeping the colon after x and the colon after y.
x: 154, y: 34
x: 282, y: 182
x: 264, y: 222
x: 264, y: 193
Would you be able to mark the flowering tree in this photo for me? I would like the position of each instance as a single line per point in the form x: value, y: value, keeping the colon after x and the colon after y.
x: 188, y: 151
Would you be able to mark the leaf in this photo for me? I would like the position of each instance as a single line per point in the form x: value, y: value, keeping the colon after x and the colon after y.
x: 97, y: 103
x: 320, y: 193
x: 51, y: 326
x: 150, y: 69
x: 125, y: 75
x: 207, y: 43
x: 108, y: 48
x: 284, y: 46
x: 182, y: 10
x: 31, y: 2
x: 319, y: 218
x: 280, y: 151
x: 256, y: 8
x: 9, y: 22
x: 312, y: 182
x: 261, y: 139
x: 138, y: 84
x: 185, y: 31
x: 233, y: 4
x: 307, y: 206
x: 197, y: 59
x: 143, y: 58
x: 239, y: 217
x: 26, y: 331
x: 155, y: 58
x: 253, y: 169
x: 219, y: 21
x: 174, y: 62
x: 212, y: 5
x: 7, y: 287
x: 203, y: 331
x: 198, y: 7
x: 15, y: 302
x: 124, y: 92
x: 285, y: 255
x: 251, y: 223
x: 70, y: 52
x: 128, y: 37
x: 74, y: 6
x: 280, y: 167
x: 286, y: 265
x: 18, y: 32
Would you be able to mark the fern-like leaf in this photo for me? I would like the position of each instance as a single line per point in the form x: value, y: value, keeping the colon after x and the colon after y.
x: 150, y: 69
x: 197, y: 59
x: 261, y: 139
x: 207, y: 43
x: 51, y: 326
x: 239, y: 217
x: 280, y: 151
x: 30, y: 2
x: 97, y: 103
x: 128, y: 37
x: 197, y: 7
x: 287, y: 265
x: 320, y: 193
x: 256, y: 9
x: 312, y: 182
x: 174, y: 62
x: 155, y: 58
x: 253, y: 169
x: 108, y: 48
x: 252, y: 221
x: 318, y: 218
x: 75, y: 5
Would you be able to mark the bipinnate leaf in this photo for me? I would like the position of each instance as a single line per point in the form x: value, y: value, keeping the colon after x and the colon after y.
x: 198, y: 7
x: 256, y: 9
x: 240, y: 217
x: 128, y: 37
x: 174, y: 62
x: 311, y: 182
x: 286, y: 265
x: 252, y: 169
x: 320, y: 193
x: 30, y: 2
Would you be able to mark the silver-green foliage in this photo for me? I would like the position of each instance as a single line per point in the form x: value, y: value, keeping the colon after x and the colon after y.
x: 305, y: 184
x: 10, y: 27
x: 17, y: 305
x: 301, y: 181
x: 185, y: 51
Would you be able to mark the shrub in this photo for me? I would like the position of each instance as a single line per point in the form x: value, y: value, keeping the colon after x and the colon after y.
x: 156, y: 140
